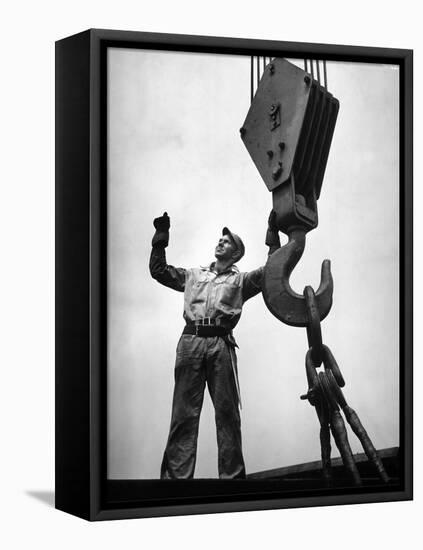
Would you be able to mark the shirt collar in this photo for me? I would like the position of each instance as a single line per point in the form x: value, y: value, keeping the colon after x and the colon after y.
x: 231, y: 269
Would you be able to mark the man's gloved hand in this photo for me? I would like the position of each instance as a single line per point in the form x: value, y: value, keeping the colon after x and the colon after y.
x: 272, y: 235
x: 161, y: 236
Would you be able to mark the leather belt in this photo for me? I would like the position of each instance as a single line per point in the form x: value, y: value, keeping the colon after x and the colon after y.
x: 207, y: 327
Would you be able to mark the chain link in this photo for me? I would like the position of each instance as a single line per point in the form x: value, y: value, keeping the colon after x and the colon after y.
x: 325, y: 394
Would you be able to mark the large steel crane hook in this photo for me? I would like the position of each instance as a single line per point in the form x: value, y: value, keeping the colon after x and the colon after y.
x: 282, y: 301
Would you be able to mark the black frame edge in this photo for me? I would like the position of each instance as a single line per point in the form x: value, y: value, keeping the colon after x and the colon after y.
x: 250, y: 46
x: 72, y: 174
x: 406, y: 260
x: 98, y: 278
x: 248, y: 506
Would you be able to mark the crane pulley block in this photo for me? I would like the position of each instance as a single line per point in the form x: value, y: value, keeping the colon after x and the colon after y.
x: 288, y: 133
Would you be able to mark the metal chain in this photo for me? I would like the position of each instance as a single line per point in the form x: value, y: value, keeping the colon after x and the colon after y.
x: 325, y: 394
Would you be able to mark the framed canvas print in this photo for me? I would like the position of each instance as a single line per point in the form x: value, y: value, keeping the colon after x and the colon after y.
x: 233, y: 274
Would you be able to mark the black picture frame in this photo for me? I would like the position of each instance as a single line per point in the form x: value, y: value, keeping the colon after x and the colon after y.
x: 82, y: 487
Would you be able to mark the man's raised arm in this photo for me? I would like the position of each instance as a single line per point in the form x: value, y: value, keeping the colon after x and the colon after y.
x: 173, y: 277
x: 253, y: 279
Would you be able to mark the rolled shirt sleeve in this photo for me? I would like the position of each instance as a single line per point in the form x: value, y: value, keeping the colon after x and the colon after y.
x: 252, y: 283
x: 253, y: 280
x: 167, y: 275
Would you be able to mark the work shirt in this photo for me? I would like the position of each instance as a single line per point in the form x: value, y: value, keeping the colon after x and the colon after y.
x: 206, y: 292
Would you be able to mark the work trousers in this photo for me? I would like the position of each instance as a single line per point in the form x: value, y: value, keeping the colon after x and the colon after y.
x: 201, y: 360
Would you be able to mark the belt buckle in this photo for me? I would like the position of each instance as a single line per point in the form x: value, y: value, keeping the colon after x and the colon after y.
x: 199, y: 323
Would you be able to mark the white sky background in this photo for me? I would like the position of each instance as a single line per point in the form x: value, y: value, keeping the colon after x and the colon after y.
x: 174, y: 145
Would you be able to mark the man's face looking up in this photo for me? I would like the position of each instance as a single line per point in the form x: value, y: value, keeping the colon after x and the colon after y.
x: 225, y: 250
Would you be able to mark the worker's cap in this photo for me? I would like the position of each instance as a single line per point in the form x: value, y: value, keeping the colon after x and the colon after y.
x: 237, y: 242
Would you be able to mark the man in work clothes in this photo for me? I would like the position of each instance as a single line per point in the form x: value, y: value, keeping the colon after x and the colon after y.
x: 213, y: 300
